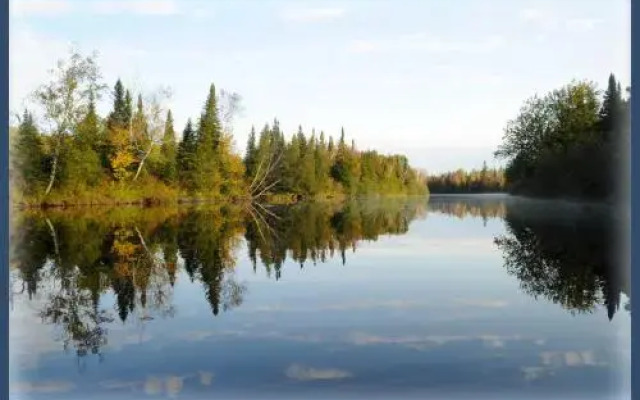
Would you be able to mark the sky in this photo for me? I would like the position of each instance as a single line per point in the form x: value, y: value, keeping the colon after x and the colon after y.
x: 435, y: 80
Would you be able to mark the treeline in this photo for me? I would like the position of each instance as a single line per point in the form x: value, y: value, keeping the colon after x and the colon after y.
x: 483, y: 180
x: 134, y: 153
x: 311, y: 165
x: 572, y: 143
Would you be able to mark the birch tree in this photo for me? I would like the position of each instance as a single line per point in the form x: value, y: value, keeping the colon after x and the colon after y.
x: 65, y: 100
x: 145, y: 140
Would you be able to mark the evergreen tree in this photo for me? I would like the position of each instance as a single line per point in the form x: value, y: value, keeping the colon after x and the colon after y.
x: 186, y: 157
x: 140, y: 130
x: 291, y: 166
x: 118, y: 151
x: 207, y: 170
x: 611, y: 107
x: 128, y: 108
x: 168, y: 151
x: 119, y: 117
x: 331, y: 147
x: 250, y: 154
x: 308, y: 168
x: 82, y: 165
x: 29, y: 156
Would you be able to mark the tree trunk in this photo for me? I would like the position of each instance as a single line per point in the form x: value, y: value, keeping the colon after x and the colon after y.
x: 52, y: 176
x: 142, y: 163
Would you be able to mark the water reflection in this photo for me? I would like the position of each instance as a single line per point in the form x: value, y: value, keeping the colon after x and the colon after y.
x: 565, y: 253
x: 92, y: 271
x: 483, y: 206
x: 76, y: 257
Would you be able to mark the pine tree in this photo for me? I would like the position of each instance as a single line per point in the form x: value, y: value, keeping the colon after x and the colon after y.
x: 119, y: 116
x: 250, y: 154
x: 207, y: 170
x: 168, y: 151
x: 611, y: 106
x: 29, y: 156
x: 186, y: 157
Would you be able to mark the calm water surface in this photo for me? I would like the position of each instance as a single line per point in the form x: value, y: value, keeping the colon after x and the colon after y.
x: 452, y: 298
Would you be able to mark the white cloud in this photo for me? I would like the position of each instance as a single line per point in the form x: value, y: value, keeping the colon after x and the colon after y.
x: 426, y: 342
x: 303, y: 373
x: 153, y: 385
x: 579, y: 25
x: 115, y: 384
x: 363, y: 46
x: 24, y: 8
x: 40, y: 7
x: 140, y: 7
x: 206, y: 378
x: 534, y: 373
x: 549, y: 21
x: 531, y: 14
x: 570, y: 359
x: 483, y: 303
x: 426, y: 43
x: 42, y: 387
x: 313, y: 14
x: 174, y: 385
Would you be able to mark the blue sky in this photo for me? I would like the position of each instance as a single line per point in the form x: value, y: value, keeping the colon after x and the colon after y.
x: 436, y: 80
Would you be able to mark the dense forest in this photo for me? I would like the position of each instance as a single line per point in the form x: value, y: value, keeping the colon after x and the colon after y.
x: 570, y: 143
x: 72, y: 155
x: 483, y: 180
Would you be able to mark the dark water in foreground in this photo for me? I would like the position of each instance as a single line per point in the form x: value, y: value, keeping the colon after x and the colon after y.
x: 485, y: 297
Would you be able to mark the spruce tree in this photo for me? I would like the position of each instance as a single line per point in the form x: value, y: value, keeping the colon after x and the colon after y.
x: 29, y: 156
x: 611, y: 106
x: 186, y: 157
x: 168, y: 151
x: 250, y: 154
x: 82, y: 164
x: 128, y: 108
x: 207, y: 171
x: 119, y: 116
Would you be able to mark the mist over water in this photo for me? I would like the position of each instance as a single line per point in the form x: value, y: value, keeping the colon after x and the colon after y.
x: 457, y: 297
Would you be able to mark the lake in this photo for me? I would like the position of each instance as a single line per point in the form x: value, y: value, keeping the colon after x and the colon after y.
x: 455, y: 297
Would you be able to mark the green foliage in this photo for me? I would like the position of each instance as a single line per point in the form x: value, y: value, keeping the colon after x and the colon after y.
x: 186, y: 157
x: 28, y: 157
x: 81, y: 165
x: 483, y: 180
x: 90, y: 160
x: 169, y: 153
x: 207, y: 174
x: 310, y: 167
x: 121, y: 114
x: 567, y: 143
x: 250, y: 158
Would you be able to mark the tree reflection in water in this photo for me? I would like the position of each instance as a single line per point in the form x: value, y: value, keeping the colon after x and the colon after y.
x: 74, y: 257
